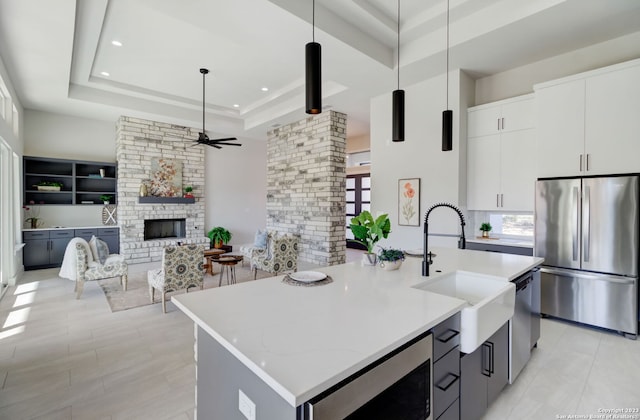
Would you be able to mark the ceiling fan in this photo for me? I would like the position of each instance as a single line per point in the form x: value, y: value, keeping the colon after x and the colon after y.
x: 202, y: 137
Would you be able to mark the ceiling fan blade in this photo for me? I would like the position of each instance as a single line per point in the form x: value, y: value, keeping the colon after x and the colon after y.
x: 216, y: 146
x: 225, y: 139
x: 226, y: 144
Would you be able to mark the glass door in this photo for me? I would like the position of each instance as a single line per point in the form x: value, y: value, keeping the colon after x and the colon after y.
x: 358, y: 199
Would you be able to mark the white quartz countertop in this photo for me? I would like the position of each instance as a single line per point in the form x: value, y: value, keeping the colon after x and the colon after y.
x: 73, y: 227
x: 504, y: 242
x: 302, y: 340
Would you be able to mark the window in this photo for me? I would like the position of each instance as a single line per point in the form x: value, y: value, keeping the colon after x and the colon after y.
x: 358, y: 192
x: 512, y: 224
x: 15, y: 121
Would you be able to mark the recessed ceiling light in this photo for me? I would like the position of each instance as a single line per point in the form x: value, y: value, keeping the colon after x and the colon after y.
x: 116, y: 43
x: 236, y: 106
x: 264, y: 89
x: 105, y: 73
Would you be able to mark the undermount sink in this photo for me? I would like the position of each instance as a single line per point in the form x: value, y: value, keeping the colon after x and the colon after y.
x: 490, y: 303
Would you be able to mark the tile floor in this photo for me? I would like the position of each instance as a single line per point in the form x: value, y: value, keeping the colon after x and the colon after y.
x: 62, y: 358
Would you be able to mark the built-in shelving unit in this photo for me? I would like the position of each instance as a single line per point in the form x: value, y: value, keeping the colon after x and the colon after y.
x: 82, y: 181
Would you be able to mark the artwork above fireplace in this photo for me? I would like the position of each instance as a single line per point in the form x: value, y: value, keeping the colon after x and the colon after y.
x: 164, y: 228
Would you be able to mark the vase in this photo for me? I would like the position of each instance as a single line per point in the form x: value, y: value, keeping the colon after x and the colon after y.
x: 485, y: 234
x: 369, y: 259
x: 390, y: 265
x: 34, y: 224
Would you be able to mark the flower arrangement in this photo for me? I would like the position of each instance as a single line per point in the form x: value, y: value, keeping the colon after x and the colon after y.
x: 32, y: 216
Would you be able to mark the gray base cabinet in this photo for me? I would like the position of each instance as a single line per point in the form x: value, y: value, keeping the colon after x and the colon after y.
x: 45, y: 248
x: 484, y: 373
x: 504, y: 249
x: 446, y: 369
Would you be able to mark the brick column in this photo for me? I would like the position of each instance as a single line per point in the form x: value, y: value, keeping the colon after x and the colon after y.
x: 306, y: 171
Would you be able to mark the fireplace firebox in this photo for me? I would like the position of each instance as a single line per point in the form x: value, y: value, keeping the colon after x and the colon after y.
x: 164, y: 228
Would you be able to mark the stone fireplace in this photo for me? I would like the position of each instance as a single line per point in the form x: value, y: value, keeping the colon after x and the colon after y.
x: 138, y: 143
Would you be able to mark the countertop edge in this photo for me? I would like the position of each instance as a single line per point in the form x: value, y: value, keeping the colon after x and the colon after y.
x: 501, y: 242
x: 72, y: 228
x: 289, y: 397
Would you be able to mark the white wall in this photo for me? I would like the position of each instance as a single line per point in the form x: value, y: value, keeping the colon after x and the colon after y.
x: 66, y: 137
x: 520, y: 80
x: 442, y: 174
x: 236, y: 182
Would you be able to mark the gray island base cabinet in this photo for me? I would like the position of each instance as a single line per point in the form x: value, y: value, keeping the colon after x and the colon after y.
x: 222, y: 379
x: 484, y: 373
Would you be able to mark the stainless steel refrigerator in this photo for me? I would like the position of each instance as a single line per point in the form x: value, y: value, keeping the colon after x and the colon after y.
x: 586, y: 229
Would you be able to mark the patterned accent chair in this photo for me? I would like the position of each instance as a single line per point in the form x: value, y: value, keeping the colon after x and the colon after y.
x: 281, y: 255
x: 114, y: 266
x: 182, y: 268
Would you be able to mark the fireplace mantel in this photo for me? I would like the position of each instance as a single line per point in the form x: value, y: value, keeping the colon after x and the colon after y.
x: 166, y: 200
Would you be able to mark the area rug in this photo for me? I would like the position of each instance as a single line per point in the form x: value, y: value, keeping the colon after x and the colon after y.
x: 137, y: 293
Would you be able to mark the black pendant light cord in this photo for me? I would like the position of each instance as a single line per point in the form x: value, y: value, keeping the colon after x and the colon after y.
x: 203, y: 76
x: 447, y: 54
x: 398, y: 44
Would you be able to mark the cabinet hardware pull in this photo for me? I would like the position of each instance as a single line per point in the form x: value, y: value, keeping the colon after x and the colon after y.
x: 498, y: 124
x: 501, y: 200
x: 580, y: 163
x: 452, y: 381
x: 447, y: 335
x: 484, y: 354
x: 588, y: 161
x: 491, y: 359
x: 497, y: 200
x: 503, y: 123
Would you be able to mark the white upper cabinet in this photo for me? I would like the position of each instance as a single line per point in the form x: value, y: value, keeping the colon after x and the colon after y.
x: 502, y: 116
x: 612, y: 126
x: 589, y: 124
x: 501, y: 151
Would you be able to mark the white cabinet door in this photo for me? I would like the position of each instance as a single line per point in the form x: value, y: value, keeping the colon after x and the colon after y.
x: 484, y: 121
x: 612, y: 134
x: 517, y: 115
x: 518, y: 170
x: 483, y: 172
x: 560, y: 129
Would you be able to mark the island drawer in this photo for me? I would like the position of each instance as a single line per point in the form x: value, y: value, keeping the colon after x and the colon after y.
x: 446, y: 382
x: 446, y: 336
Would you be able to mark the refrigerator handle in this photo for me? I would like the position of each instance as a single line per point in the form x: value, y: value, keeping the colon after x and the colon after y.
x: 586, y: 222
x: 576, y: 228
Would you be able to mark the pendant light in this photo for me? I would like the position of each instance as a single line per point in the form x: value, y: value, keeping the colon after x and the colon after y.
x: 447, y: 116
x: 398, y: 99
x: 313, y: 71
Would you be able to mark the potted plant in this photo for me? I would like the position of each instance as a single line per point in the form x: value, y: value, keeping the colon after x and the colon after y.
x: 367, y: 231
x: 218, y: 236
x: 106, y: 199
x: 32, y: 217
x: 485, y: 228
x: 390, y: 258
x: 187, y: 192
x: 48, y: 186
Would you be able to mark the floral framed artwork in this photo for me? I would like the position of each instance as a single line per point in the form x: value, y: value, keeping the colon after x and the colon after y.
x: 409, y: 202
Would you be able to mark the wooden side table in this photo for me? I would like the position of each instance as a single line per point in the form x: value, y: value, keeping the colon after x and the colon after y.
x: 228, y: 265
x: 211, y: 255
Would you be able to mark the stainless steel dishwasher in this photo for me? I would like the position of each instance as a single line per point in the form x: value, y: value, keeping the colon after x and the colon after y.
x: 521, y: 333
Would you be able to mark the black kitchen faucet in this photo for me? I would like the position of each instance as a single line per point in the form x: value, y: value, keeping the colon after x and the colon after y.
x: 462, y: 242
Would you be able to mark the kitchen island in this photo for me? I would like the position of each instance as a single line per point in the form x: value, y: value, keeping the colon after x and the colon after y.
x: 297, y: 342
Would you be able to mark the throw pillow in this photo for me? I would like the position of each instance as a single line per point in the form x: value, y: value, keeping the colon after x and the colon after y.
x: 99, y: 249
x: 94, y: 248
x: 103, y: 250
x: 260, y: 240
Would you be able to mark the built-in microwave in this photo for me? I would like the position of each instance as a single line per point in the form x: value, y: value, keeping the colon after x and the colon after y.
x: 398, y: 386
